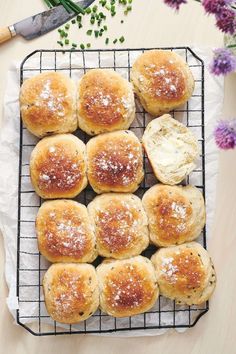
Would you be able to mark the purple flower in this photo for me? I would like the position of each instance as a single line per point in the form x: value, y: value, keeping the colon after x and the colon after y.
x: 226, y: 20
x: 224, y: 62
x: 215, y: 6
x: 225, y: 134
x: 175, y: 3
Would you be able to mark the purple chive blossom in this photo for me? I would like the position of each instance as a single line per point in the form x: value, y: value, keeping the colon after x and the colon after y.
x: 225, y: 134
x: 224, y: 62
x: 226, y: 20
x: 215, y: 6
x: 175, y: 3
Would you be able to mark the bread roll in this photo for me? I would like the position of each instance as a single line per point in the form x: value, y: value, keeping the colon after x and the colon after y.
x: 172, y: 149
x: 176, y: 214
x: 162, y: 80
x: 58, y: 167
x: 127, y: 287
x: 105, y: 102
x: 185, y: 273
x: 64, y: 232
x: 120, y: 225
x: 115, y: 162
x: 48, y: 104
x: 71, y: 292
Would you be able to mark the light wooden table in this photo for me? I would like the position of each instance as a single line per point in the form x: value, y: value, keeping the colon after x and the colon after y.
x: 150, y: 24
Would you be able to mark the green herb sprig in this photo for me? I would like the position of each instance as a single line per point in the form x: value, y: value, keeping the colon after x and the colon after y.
x: 69, y: 5
x: 97, y: 16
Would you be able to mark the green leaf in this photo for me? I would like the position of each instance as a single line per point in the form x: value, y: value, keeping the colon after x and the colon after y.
x: 230, y: 42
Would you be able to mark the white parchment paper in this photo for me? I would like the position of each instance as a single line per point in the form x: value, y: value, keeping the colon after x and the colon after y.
x: 9, y: 161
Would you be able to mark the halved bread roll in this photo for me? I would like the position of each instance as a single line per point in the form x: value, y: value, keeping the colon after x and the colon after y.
x: 172, y: 149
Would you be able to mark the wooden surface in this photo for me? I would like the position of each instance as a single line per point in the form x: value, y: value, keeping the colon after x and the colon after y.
x: 5, y: 34
x: 150, y: 24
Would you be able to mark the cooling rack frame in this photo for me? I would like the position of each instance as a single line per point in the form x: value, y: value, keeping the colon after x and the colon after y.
x: 37, y: 324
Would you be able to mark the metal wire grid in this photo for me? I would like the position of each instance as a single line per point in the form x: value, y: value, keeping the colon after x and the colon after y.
x: 31, y: 266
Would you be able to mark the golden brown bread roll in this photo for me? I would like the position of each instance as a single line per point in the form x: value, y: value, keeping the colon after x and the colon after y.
x: 185, y: 273
x: 105, y: 102
x: 162, y: 81
x: 58, y: 167
x: 48, y: 104
x: 120, y: 225
x: 172, y: 149
x: 127, y: 287
x: 65, y: 233
x: 115, y: 162
x: 176, y: 214
x: 71, y: 292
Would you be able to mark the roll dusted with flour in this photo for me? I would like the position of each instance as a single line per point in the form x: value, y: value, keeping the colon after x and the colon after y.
x: 48, y: 104
x: 105, y: 102
x: 58, y: 167
x: 162, y: 81
x: 185, y: 273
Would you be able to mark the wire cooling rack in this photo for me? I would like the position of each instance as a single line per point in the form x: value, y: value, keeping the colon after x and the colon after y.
x: 31, y: 266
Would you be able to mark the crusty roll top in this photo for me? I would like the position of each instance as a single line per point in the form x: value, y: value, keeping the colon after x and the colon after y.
x: 162, y: 80
x: 127, y: 287
x: 48, y: 104
x: 120, y: 225
x: 71, y: 292
x: 185, y: 273
x: 115, y: 162
x: 167, y: 80
x: 58, y: 166
x: 105, y: 102
x: 64, y: 232
x: 176, y: 214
